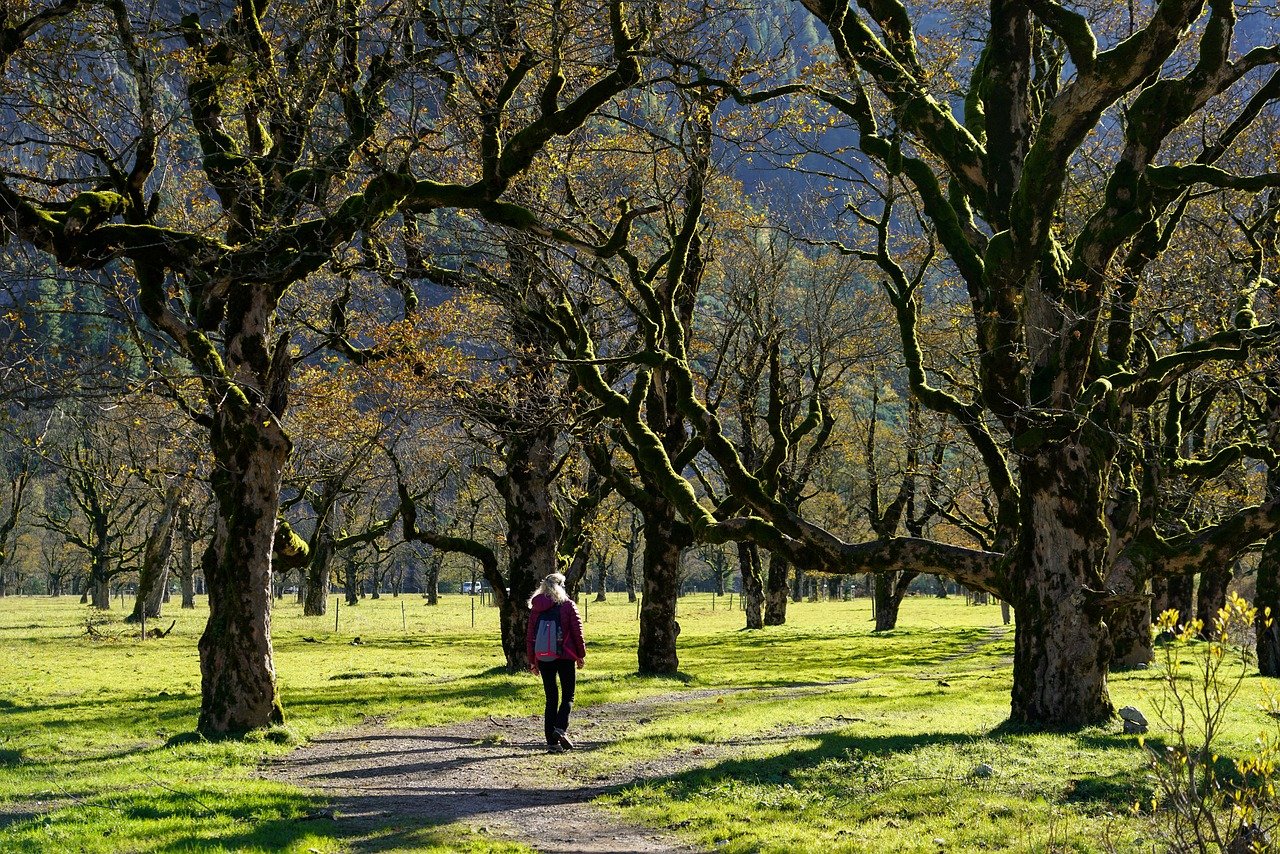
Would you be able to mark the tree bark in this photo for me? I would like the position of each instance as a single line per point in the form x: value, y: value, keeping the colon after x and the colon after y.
x: 752, y: 584
x: 187, y: 568
x: 632, y: 546
x: 316, y: 601
x: 100, y: 586
x: 157, y: 554
x: 532, y: 534
x: 1131, y: 642
x: 250, y: 448
x: 349, y: 581
x: 238, y: 678
x: 1267, y: 600
x: 433, y: 577
x: 1211, y: 596
x: 1172, y: 594
x: 775, y: 603
x: 602, y: 569
x: 1129, y: 623
x: 1061, y: 647
x: 888, y: 590
x: 661, y: 580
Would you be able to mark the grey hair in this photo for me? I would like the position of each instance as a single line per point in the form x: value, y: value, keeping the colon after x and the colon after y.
x: 552, y: 587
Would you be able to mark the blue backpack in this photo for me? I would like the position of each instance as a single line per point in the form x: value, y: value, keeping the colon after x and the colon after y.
x: 549, y: 639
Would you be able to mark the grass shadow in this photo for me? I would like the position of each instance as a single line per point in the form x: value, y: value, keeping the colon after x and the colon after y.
x: 679, y: 677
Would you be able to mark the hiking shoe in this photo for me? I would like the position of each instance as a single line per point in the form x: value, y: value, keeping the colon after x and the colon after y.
x: 565, y: 743
x: 555, y: 748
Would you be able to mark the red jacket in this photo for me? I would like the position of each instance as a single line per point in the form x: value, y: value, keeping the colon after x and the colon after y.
x: 570, y: 627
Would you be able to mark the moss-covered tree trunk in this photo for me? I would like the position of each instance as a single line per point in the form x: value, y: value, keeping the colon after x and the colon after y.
x: 316, y: 601
x: 1211, y: 595
x: 752, y: 584
x: 250, y: 448
x: 778, y: 586
x: 1129, y: 624
x: 1267, y: 600
x: 323, y: 548
x: 532, y: 534
x: 660, y: 577
x: 1173, y: 594
x: 1130, y: 631
x: 157, y: 555
x: 1061, y: 648
x: 238, y: 679
x: 887, y: 592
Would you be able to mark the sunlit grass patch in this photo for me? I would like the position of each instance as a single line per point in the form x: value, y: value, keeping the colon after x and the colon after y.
x: 838, y: 739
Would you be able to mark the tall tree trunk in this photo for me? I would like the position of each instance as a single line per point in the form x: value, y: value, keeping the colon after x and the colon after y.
x: 1173, y: 594
x: 629, y: 568
x: 575, y: 574
x: 433, y: 577
x: 349, y: 580
x: 602, y: 569
x: 1129, y: 625
x: 158, y: 552
x: 1061, y: 648
x: 319, y: 568
x: 238, y: 677
x: 887, y: 592
x: 187, y: 567
x: 1212, y: 596
x: 100, y: 584
x: 1130, y: 630
x: 237, y: 667
x: 752, y: 584
x: 797, y: 585
x: 775, y: 602
x: 532, y: 535
x: 316, y: 600
x: 661, y: 579
x: 99, y: 567
x: 1267, y: 601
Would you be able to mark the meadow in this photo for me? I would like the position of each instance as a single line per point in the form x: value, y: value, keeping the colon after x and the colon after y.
x: 875, y: 741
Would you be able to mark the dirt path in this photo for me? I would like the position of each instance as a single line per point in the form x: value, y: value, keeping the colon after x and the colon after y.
x: 494, y: 775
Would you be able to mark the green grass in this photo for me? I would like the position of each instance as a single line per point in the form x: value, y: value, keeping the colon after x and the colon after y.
x: 101, y: 730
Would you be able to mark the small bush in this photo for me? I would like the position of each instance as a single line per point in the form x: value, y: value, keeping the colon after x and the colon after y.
x: 1203, y: 801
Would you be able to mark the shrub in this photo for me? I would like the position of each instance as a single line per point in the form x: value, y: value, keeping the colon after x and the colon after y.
x: 1202, y: 801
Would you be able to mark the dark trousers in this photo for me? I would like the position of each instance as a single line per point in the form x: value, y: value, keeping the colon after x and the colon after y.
x: 556, y: 716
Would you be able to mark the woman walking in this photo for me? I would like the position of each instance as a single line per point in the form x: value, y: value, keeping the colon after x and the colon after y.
x: 555, y: 648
